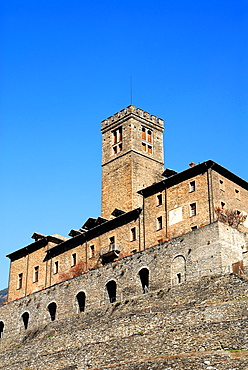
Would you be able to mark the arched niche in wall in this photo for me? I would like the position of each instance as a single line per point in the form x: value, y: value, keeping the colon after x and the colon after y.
x: 111, y: 289
x: 52, y: 307
x: 25, y: 319
x: 178, y: 270
x: 81, y: 301
x: 1, y: 328
x: 144, y: 279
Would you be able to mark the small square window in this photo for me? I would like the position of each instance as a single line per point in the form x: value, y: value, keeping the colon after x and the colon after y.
x: 159, y: 199
x: 192, y: 209
x: 192, y: 186
x: 159, y: 223
x: 193, y: 228
x: 133, y: 234
x: 73, y: 259
x: 56, y: 267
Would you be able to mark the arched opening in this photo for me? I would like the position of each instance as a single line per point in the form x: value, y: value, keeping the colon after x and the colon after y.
x: 52, y: 310
x: 178, y: 270
x: 111, y: 288
x: 25, y: 318
x: 144, y: 278
x: 1, y: 329
x: 81, y: 301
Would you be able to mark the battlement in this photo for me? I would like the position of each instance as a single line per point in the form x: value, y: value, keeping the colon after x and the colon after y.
x: 131, y: 109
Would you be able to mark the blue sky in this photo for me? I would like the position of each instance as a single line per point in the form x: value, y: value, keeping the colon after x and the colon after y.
x: 66, y: 65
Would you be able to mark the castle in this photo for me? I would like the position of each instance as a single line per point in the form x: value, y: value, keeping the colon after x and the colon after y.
x: 158, y: 229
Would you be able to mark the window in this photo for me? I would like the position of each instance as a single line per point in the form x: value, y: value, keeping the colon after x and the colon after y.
x: 159, y: 223
x: 133, y: 234
x: 149, y: 136
x: 92, y: 251
x: 25, y: 318
x: 56, y: 267
x: 143, y: 134
x: 146, y: 135
x: 159, y: 199
x: 222, y: 185
x: 192, y: 209
x: 192, y: 186
x: 1, y: 329
x: 222, y: 205
x: 144, y: 278
x: 117, y: 140
x: 112, y: 240
x: 193, y: 228
x: 111, y: 289
x: 237, y: 194
x: 36, y: 274
x: 20, y: 280
x: 81, y: 301
x: 73, y: 259
x: 52, y: 307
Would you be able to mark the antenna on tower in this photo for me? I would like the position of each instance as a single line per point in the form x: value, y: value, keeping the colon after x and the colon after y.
x: 131, y: 90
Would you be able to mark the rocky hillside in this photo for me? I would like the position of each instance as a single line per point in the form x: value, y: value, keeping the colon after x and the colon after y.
x: 3, y: 295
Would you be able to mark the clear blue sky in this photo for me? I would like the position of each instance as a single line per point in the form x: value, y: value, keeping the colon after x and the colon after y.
x: 65, y: 65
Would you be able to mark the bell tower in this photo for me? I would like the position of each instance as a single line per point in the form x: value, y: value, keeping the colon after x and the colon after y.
x: 132, y: 157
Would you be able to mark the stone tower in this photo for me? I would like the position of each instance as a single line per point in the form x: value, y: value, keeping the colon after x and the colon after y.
x: 132, y: 157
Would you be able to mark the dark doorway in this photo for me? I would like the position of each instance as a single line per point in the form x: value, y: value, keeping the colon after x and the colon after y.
x: 111, y: 288
x: 81, y: 301
x: 52, y: 310
x: 144, y: 278
x: 25, y: 318
x: 1, y: 329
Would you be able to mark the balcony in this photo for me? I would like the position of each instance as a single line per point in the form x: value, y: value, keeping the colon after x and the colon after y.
x: 109, y: 253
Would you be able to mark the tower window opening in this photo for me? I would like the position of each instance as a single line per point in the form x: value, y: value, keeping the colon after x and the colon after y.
x: 149, y: 136
x: 222, y: 185
x: 159, y: 223
x: 36, y: 274
x: 149, y: 149
x: 73, y: 259
x: 237, y: 194
x: 144, y: 278
x: 192, y: 186
x: 144, y: 147
x: 81, y: 301
x: 56, y: 267
x: 143, y: 133
x: 111, y: 289
x: 192, y: 209
x: 133, y: 234
x: 20, y: 280
x: 92, y: 251
x: 52, y: 307
x: 1, y: 329
x: 222, y: 205
x: 159, y: 199
x: 25, y: 319
x: 179, y: 278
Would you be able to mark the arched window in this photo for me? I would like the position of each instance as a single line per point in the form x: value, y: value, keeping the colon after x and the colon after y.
x: 1, y: 329
x: 52, y: 310
x: 81, y: 301
x: 111, y: 288
x: 25, y: 318
x: 178, y: 270
x: 143, y: 134
x: 144, y: 278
